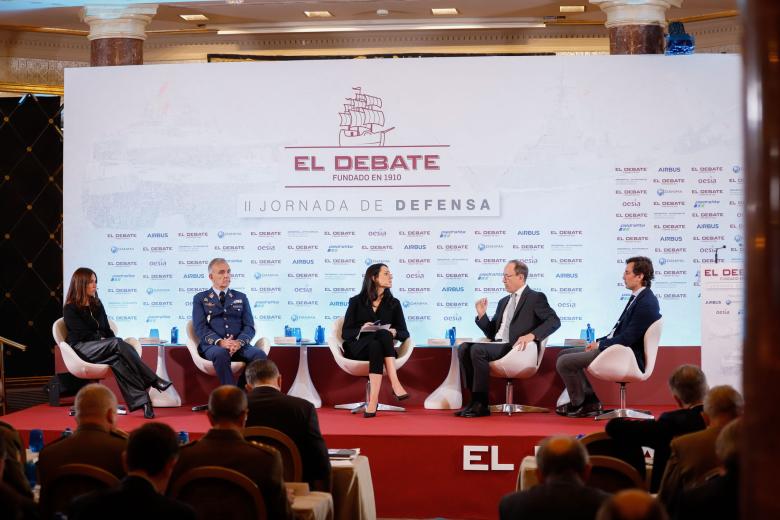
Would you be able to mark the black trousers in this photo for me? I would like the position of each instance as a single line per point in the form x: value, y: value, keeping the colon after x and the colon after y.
x: 373, y: 347
x: 475, y: 361
x: 132, y: 375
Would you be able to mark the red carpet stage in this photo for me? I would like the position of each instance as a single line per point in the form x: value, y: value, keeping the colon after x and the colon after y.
x: 416, y: 457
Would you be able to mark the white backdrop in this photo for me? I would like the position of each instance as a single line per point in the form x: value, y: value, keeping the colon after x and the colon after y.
x: 570, y: 163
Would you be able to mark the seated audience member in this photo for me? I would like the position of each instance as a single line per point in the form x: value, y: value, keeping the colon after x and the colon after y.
x: 223, y: 445
x: 688, y: 386
x: 562, y: 467
x: 718, y: 497
x: 151, y: 454
x: 13, y: 506
x: 95, y: 441
x: 693, y: 455
x: 295, y: 417
x: 13, y: 475
x: 632, y: 504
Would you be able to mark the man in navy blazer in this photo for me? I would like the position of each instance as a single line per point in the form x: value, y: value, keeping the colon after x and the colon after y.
x: 523, y: 317
x: 641, y: 311
x: 223, y: 321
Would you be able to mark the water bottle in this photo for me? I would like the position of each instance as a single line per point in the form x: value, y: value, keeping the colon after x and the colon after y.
x: 287, y: 331
x: 184, y: 437
x: 319, y: 335
x: 296, y: 331
x: 36, y: 440
x: 67, y: 432
x: 591, y: 334
x: 175, y: 335
x: 452, y: 335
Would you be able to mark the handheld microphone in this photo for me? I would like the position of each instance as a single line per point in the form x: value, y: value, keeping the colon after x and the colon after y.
x: 716, y: 252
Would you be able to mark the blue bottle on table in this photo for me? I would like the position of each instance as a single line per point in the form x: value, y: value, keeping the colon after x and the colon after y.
x: 175, y: 335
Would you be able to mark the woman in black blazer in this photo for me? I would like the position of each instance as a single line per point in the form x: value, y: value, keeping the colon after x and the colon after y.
x: 375, y: 303
x: 93, y: 340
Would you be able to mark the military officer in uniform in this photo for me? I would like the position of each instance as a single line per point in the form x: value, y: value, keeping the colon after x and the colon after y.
x: 224, y: 446
x: 223, y: 321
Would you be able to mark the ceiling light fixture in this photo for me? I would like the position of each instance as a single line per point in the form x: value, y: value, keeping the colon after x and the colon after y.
x: 318, y: 14
x: 380, y: 25
x: 444, y: 11
x: 194, y: 17
x: 572, y: 8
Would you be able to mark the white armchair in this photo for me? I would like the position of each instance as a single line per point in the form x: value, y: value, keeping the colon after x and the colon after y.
x: 518, y: 364
x: 77, y: 366
x: 618, y: 365
x: 360, y: 368
x: 206, y: 366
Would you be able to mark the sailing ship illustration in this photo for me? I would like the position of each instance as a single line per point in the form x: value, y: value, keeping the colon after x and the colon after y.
x: 362, y: 120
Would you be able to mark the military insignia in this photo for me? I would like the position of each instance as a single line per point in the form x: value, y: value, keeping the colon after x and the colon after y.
x: 236, y: 302
x: 212, y: 295
x: 205, y: 300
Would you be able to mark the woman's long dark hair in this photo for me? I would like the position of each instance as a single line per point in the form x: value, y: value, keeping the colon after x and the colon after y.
x: 368, y: 292
x: 77, y: 292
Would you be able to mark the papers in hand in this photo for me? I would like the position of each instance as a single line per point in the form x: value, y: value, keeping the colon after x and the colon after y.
x: 373, y: 327
x: 343, y: 453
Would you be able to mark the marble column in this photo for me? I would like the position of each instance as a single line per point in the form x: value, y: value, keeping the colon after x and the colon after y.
x: 761, y: 355
x: 117, y: 33
x: 636, y: 26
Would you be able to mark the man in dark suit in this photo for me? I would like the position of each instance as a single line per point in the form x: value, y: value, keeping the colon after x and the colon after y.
x: 293, y: 416
x: 522, y: 318
x: 688, y: 386
x: 223, y: 445
x: 641, y: 311
x: 693, y: 456
x: 151, y: 454
x: 96, y: 440
x: 562, y: 466
x: 16, y: 458
x: 718, y: 497
x: 223, y: 321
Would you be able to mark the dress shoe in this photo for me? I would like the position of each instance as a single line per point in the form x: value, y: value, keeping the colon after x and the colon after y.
x: 161, y: 385
x: 587, y: 409
x: 565, y: 409
x: 477, y: 410
x: 402, y: 397
x: 460, y: 412
x: 148, y: 411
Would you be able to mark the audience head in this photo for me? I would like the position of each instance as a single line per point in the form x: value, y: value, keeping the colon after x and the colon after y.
x: 729, y: 445
x: 515, y: 275
x: 562, y: 456
x: 82, y: 291
x: 263, y: 372
x: 227, y: 407
x: 688, y: 385
x: 152, y: 449
x: 632, y: 504
x: 639, y: 272
x: 377, y: 275
x: 96, y: 404
x: 722, y: 404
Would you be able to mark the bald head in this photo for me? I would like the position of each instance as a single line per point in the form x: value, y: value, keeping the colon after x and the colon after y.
x: 227, y: 406
x: 562, y: 455
x: 632, y: 504
x: 95, y: 403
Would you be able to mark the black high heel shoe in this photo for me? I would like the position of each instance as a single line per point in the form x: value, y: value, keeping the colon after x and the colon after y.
x: 367, y: 414
x: 402, y: 397
x: 161, y: 385
x: 148, y: 411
